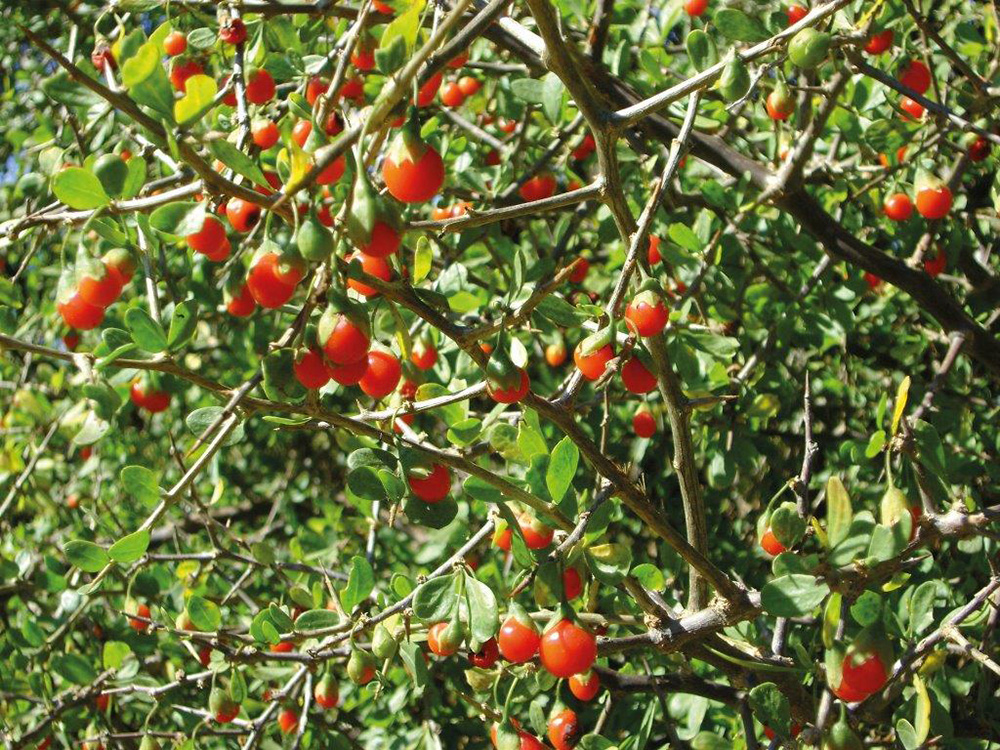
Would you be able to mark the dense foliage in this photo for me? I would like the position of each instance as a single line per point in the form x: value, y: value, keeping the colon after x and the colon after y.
x: 460, y: 374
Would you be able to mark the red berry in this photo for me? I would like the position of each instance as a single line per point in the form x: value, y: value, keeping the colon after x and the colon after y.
x: 555, y: 354
x: 373, y: 266
x: 898, y: 207
x: 916, y: 76
x: 536, y: 534
x: 210, y: 239
x: 268, y: 284
x: 435, y: 643
x: 434, y: 487
x: 282, y: 647
x: 585, y: 686
x: 175, y: 43
x: 382, y: 375
x: 644, y: 424
x: 492, y: 159
x: 310, y: 370
x: 979, y: 149
x: 486, y: 656
x: 636, y: 378
x: 327, y: 694
x: 587, y: 146
x: 243, y: 215
x: 459, y: 60
x: 382, y: 8
x: 572, y: 583
x: 911, y: 110
x: 205, y: 655
x: 243, y: 304
x: 350, y: 374
x: 102, y: 701
x: 510, y: 395
x: 260, y: 87
x: 695, y: 8
x: 592, y: 365
x: 873, y: 281
x: 71, y: 341
x: 564, y: 730
x: 103, y: 291
x: 333, y: 172
x: 469, y: 85
x: 645, y: 319
x: 347, y: 344
x: 181, y: 71
x: 879, y: 42
x: 152, y: 401
x: 315, y: 88
x: 384, y: 241
x: 580, y: 268
x: 414, y: 181
x: 233, y: 32
x: 538, y: 187
x: 451, y: 95
x: 101, y: 56
x: 429, y: 90
x: 653, y: 253
x: 518, y: 641
x: 770, y: 544
x: 424, y: 355
x: 363, y: 57
x: 779, y: 106
x: 863, y: 673
x: 139, y: 626
x: 265, y: 133
x: 288, y: 720
x: 934, y: 202
x: 567, y: 649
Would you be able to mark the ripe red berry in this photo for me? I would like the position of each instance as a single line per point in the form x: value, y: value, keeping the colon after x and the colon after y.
x: 572, y: 583
x: 564, y: 730
x: 152, y: 401
x: 102, y: 701
x: 592, y: 365
x: 437, y: 641
x: 175, y: 43
x: 350, y: 374
x: 243, y: 304
x: 384, y: 241
x: 653, y: 253
x: 934, y: 266
x: 580, y: 268
x: 208, y: 240
x: 934, y: 201
x: 585, y: 686
x: 863, y: 672
x: 382, y: 375
x: 301, y: 131
x: 510, y: 395
x: 469, y: 85
x: 873, y: 281
x: 233, y: 32
x: 879, y: 42
x: 260, y: 87
x: 486, y: 656
x: 270, y: 285
x: 644, y: 424
x: 102, y: 291
x: 101, y: 56
x: 327, y: 693
x: 139, y: 626
x: 695, y: 8
x: 288, y: 720
x: 587, y: 146
x: 347, y: 343
x: 429, y: 90
x: 770, y: 544
x: 282, y: 647
x: 314, y: 88
x: 265, y: 133
x: 180, y: 71
x: 796, y: 13
x: 424, y: 355
x: 205, y: 655
x: 898, y: 207
x: 637, y: 378
x: 911, y: 110
x: 310, y: 370
x: 555, y: 353
x: 979, y: 149
x: 333, y: 172
x: 915, y: 75
x: 779, y: 105
x: 363, y: 57
x: 243, y: 215
x: 567, y: 649
x: 459, y: 60
x: 518, y: 641
x: 538, y: 187
x: 451, y: 95
x: 646, y: 319
x: 434, y: 487
x: 413, y: 176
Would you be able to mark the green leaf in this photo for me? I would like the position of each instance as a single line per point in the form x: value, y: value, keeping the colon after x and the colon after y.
x: 74, y: 668
x: 178, y: 219
x: 530, y: 441
x: 530, y: 90
x: 907, y: 735
x: 204, y: 614
x: 135, y: 178
x: 144, y: 76
x: 875, y: 444
x: 736, y: 25
x: 360, y: 583
x: 855, y: 542
x: 838, y: 511
x: 201, y: 419
x: 237, y: 685
x: 552, y: 97
x: 435, y: 600
x: 65, y: 90
x: 771, y: 708
x: 79, y: 189
x: 701, y: 49
x: 867, y: 609
x: 141, y: 483
x: 650, y: 576
x: 423, y: 257
x: 609, y: 563
x: 435, y: 515
x: 560, y: 312
x: 85, y: 555
x: 365, y: 483
x: 932, y: 454
x: 114, y: 654
x: 146, y: 332
x: 465, y: 433
x: 415, y: 663
x: 922, y: 710
x: 130, y: 548
x: 484, y: 615
x: 238, y: 161
x: 183, y: 323
x: 888, y: 541
x: 315, y: 619
x: 199, y: 92
x: 562, y: 468
x: 793, y: 595
x: 921, y: 607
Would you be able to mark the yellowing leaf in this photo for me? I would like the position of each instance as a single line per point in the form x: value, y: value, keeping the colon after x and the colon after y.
x: 838, y: 511
x: 922, y: 717
x: 897, y: 410
x: 197, y: 99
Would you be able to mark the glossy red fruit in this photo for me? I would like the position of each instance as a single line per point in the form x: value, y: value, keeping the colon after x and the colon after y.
x: 180, y: 71
x: 567, y: 649
x: 879, y: 42
x: 934, y: 201
x: 152, y: 401
x: 469, y: 85
x: 564, y: 730
x: 283, y: 647
x: 71, y: 341
x: 585, y: 686
x: 288, y: 720
x: 572, y: 583
x: 205, y: 656
x: 101, y: 56
x: 874, y: 282
x: 459, y: 60
x: 384, y: 241
x: 102, y: 291
x: 451, y: 95
x: 492, y: 159
x: 770, y: 544
x: 510, y: 395
x: 695, y: 8
x: 382, y: 375
x: 265, y: 133
x: 935, y: 266
x: 538, y: 187
x: 898, y: 207
x: 434, y: 487
x: 243, y: 304
x: 979, y: 149
x: 863, y: 672
x: 911, y: 110
x: 175, y: 43
x: 139, y: 626
x: 382, y: 8
x: 915, y: 75
x: 350, y: 374
x: 580, y: 268
x: 301, y: 131
x: 233, y: 32
x: 314, y: 88
x: 311, y: 371
x: 333, y: 172
x: 269, y: 284
x: 260, y: 87
x: 436, y: 640
x: 536, y: 534
x: 102, y: 701
x: 347, y: 344
x: 486, y: 656
x: 429, y: 90
x: 796, y: 13
x: 373, y: 266
x: 327, y: 693
x: 592, y: 365
x: 424, y: 355
x: 242, y: 215
x: 354, y: 90
x: 637, y: 378
x: 587, y: 146
x: 413, y: 181
x: 208, y: 240
x: 847, y: 693
x: 518, y: 641
x: 645, y: 319
x: 653, y: 252
x: 363, y: 57
x: 644, y: 424
x: 779, y: 105
x: 555, y: 353
x: 223, y: 708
